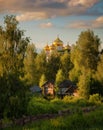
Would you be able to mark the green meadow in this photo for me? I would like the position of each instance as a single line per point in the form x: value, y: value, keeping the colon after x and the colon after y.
x: 83, y: 114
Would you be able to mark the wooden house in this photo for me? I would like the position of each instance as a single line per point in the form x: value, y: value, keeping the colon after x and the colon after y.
x: 35, y: 89
x: 48, y: 89
x: 66, y: 88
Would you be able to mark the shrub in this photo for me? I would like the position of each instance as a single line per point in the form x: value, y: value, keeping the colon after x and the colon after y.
x: 41, y: 106
x: 95, y: 98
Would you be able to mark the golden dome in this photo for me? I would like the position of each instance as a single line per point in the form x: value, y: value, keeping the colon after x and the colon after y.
x: 67, y: 47
x: 52, y: 47
x: 46, y: 48
x: 58, y: 42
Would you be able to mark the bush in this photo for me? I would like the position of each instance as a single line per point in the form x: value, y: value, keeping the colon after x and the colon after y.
x: 76, y: 101
x: 68, y: 99
x: 95, y: 98
x: 40, y: 106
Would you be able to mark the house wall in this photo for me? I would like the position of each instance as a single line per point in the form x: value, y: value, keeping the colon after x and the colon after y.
x: 49, y: 89
x: 76, y: 94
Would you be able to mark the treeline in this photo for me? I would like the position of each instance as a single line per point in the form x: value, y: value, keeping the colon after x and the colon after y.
x: 22, y: 67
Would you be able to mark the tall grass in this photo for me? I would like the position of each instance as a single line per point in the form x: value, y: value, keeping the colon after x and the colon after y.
x: 88, y: 121
x: 41, y: 106
x: 78, y: 120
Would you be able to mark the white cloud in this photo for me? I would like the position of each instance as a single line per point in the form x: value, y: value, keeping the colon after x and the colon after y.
x: 39, y: 9
x: 31, y: 16
x: 100, y: 19
x: 97, y: 23
x: 79, y: 24
x: 46, y: 25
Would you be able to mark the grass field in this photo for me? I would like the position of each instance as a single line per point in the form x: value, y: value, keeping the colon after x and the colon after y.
x: 80, y: 117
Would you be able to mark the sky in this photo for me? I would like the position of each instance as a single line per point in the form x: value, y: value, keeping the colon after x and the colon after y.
x: 45, y: 20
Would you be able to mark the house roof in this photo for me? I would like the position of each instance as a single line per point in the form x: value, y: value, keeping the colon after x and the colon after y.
x: 66, y: 87
x: 63, y: 91
x: 66, y: 84
x: 35, y: 89
x: 47, y: 82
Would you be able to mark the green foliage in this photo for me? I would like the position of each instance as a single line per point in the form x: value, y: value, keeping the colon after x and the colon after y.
x: 42, y: 80
x: 40, y: 66
x: 40, y: 106
x: 59, y: 77
x: 29, y: 65
x: 66, y: 64
x: 85, y: 57
x: 74, y: 75
x: 88, y: 49
x: 96, y: 86
x: 77, y: 121
x: 99, y: 74
x: 78, y: 101
x: 76, y: 70
x: 84, y: 85
x: 95, y: 98
x: 52, y: 66
x: 12, y: 51
x: 21, y: 66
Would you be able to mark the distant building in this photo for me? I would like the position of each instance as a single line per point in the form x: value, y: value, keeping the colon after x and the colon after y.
x: 66, y: 88
x: 48, y: 89
x: 35, y: 89
x: 57, y: 45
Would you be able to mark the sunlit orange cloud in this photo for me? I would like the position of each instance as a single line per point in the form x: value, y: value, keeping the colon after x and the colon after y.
x: 85, y: 3
x: 79, y: 24
x: 31, y: 16
x: 97, y: 23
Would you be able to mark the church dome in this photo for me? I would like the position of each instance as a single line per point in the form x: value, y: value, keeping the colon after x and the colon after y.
x: 58, y: 42
x: 67, y: 47
x: 46, y: 48
x: 52, y: 47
